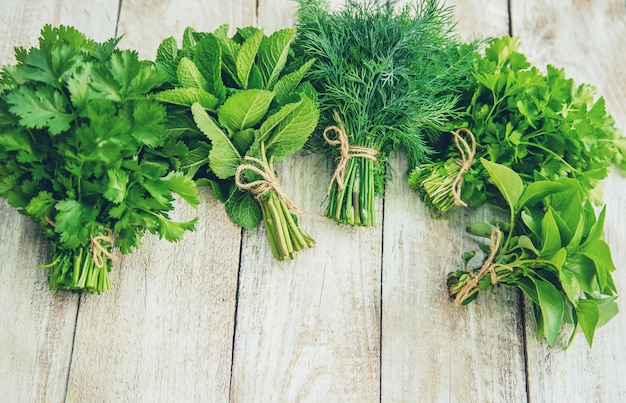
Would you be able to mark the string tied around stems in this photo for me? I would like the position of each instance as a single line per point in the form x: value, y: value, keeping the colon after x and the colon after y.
x: 98, y: 250
x: 346, y: 152
x: 487, y: 267
x: 267, y: 183
x: 468, y: 152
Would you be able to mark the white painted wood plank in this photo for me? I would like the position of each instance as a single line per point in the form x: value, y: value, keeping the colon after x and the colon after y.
x: 308, y: 330
x: 36, y: 325
x: 431, y: 350
x: 165, y: 331
x: 587, y: 39
x: 146, y: 23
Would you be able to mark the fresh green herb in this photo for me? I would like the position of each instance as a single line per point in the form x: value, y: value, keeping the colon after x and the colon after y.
x: 551, y: 248
x: 84, y: 153
x: 387, y: 77
x: 539, y: 124
x: 248, y: 113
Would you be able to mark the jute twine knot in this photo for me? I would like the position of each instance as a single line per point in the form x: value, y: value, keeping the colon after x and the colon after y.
x: 346, y: 153
x: 98, y: 250
x: 267, y: 183
x: 487, y: 267
x: 467, y: 152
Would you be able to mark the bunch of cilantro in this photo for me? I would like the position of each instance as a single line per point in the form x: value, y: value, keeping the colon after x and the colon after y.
x: 243, y: 106
x: 84, y: 153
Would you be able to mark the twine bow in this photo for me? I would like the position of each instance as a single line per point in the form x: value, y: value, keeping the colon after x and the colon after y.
x: 487, y: 267
x: 346, y: 153
x: 467, y: 152
x: 261, y: 187
x: 98, y: 250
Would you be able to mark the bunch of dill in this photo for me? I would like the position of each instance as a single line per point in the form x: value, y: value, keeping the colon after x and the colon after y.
x: 388, y: 78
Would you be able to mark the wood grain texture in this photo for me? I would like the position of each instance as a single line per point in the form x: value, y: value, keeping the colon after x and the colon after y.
x: 431, y: 350
x: 587, y: 39
x: 145, y: 23
x: 166, y: 328
x: 36, y: 325
x: 362, y: 317
x: 308, y: 330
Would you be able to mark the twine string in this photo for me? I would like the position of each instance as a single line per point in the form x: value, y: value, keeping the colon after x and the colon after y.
x: 487, y: 267
x: 98, y: 250
x: 267, y: 183
x: 468, y: 152
x: 346, y: 152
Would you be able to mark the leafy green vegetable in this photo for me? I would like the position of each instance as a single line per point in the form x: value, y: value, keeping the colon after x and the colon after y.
x: 259, y: 112
x: 551, y: 249
x: 84, y: 153
x: 388, y: 77
x: 539, y: 124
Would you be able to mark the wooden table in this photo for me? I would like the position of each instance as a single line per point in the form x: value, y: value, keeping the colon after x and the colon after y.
x: 362, y: 317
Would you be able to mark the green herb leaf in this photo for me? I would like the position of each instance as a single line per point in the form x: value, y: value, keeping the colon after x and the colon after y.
x: 208, y: 58
x: 244, y: 109
x: 223, y: 157
x: 187, y: 96
x: 273, y: 53
x: 189, y: 75
x: 246, y: 57
x: 552, y: 309
x: 588, y: 316
x: 506, y: 180
x: 243, y: 210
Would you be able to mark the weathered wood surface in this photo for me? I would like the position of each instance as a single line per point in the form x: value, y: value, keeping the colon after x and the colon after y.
x: 361, y: 317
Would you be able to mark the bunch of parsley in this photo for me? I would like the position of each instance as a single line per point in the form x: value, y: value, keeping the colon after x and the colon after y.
x: 388, y: 77
x: 242, y: 110
x: 84, y: 153
x: 540, y: 124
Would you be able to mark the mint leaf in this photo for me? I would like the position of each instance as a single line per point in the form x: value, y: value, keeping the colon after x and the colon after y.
x: 187, y: 96
x: 273, y: 53
x: 208, y: 58
x: 293, y: 131
x: 246, y: 57
x: 244, y: 109
x: 223, y: 157
x: 243, y: 210
x: 189, y: 75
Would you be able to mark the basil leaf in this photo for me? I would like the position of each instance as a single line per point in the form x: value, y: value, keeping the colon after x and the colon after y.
x: 550, y: 235
x: 506, y: 180
x: 588, y: 317
x: 552, y: 309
